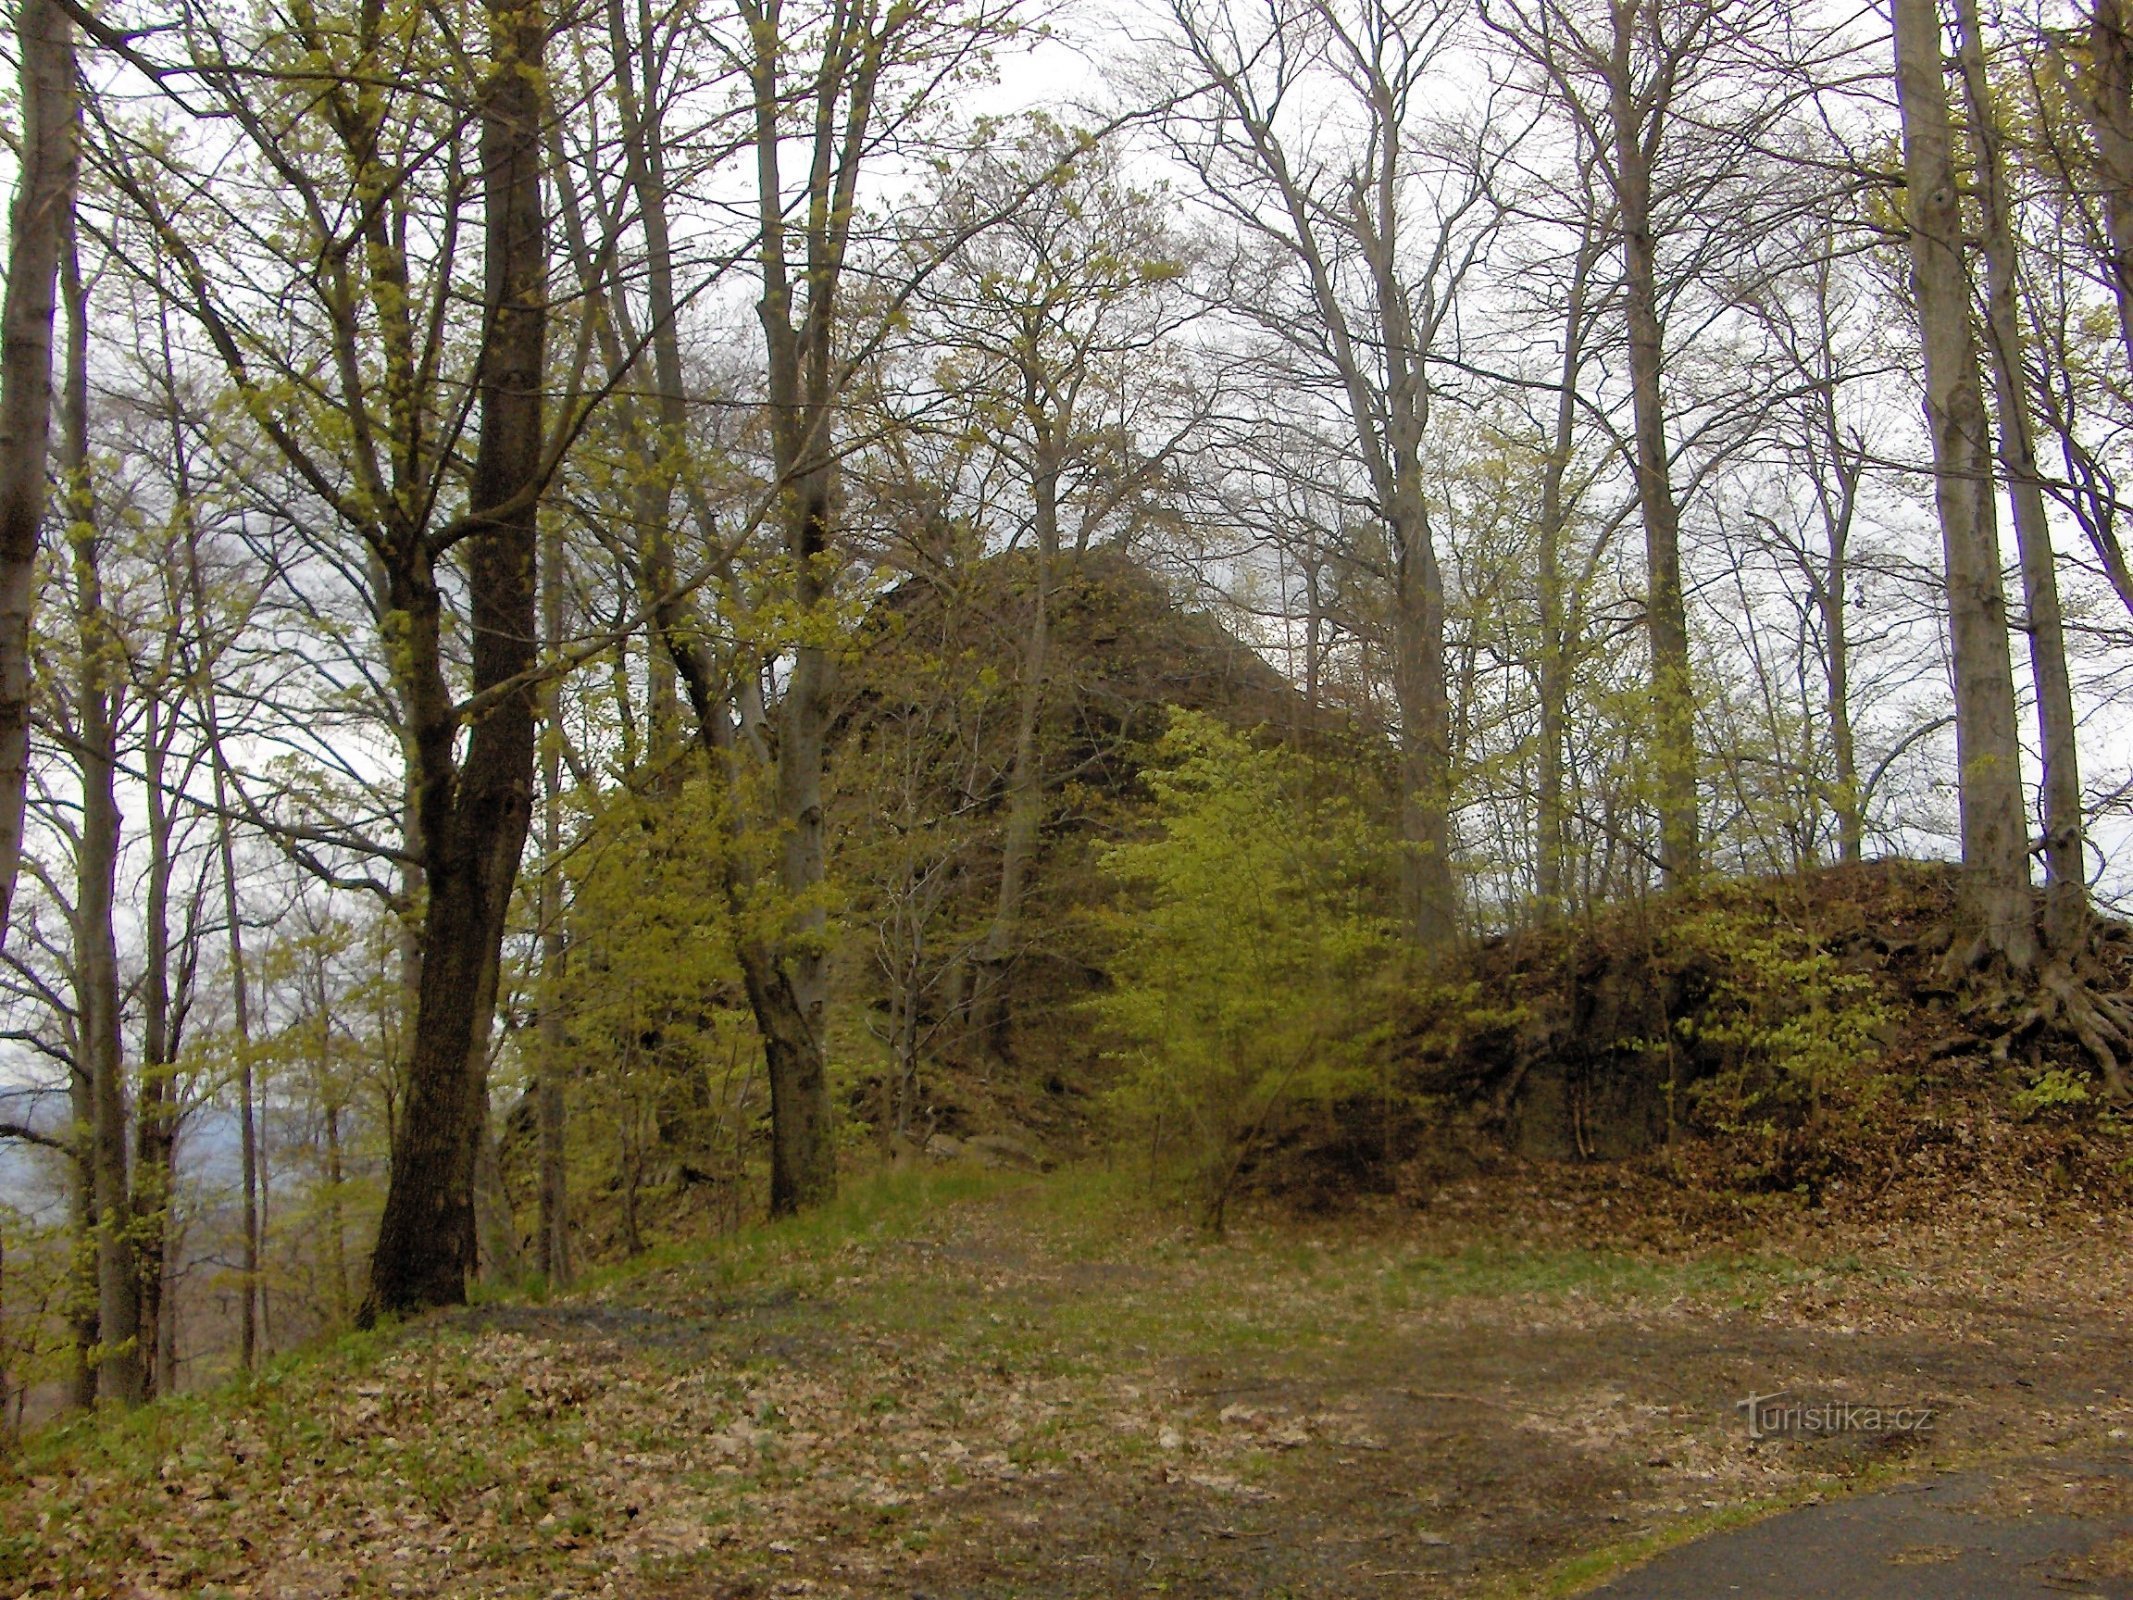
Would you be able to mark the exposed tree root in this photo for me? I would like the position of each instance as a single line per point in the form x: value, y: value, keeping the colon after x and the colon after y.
x: 2083, y: 995
x: 2079, y: 1005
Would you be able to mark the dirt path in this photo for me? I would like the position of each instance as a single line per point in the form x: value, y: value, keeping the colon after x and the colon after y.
x: 1039, y: 1393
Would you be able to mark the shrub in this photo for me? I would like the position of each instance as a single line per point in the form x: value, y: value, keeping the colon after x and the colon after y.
x: 1249, y: 941
x: 1783, y: 1031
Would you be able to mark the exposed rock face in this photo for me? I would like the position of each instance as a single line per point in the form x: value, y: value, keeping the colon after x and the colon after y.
x: 1590, y: 1039
x: 925, y: 743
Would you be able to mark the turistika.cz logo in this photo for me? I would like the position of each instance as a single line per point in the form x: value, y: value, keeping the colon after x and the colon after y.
x: 1784, y: 1415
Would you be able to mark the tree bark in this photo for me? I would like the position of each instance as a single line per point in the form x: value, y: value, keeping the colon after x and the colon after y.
x: 499, y: 1257
x: 990, y: 1008
x: 2108, y: 108
x: 2066, y: 901
x: 552, y: 1250
x: 241, y: 1025
x: 1995, y: 837
x: 787, y: 981
x: 1666, y: 613
x: 1555, y: 667
x: 48, y: 161
x: 474, y: 816
x: 81, y: 1291
x: 156, y: 1108
x: 121, y: 1363
x: 641, y: 113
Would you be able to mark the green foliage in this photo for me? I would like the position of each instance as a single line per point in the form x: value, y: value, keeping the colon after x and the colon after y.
x: 657, y: 1039
x: 41, y: 1276
x: 1784, y: 1031
x: 1247, y: 928
x: 1450, y: 1012
x: 2053, y: 1089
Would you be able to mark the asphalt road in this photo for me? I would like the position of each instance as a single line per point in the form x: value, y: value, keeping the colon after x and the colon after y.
x: 2035, y: 1530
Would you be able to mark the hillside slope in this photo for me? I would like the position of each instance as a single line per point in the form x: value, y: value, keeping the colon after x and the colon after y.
x: 1790, y: 1041
x: 957, y: 1384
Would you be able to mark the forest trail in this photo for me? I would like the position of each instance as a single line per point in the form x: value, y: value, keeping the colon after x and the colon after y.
x: 961, y: 1385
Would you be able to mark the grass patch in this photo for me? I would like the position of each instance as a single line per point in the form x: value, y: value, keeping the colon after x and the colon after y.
x: 939, y: 1330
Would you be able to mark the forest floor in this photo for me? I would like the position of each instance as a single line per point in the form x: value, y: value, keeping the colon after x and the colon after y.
x: 966, y: 1384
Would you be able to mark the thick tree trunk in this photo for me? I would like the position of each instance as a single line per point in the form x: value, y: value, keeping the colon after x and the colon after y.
x: 803, y: 1160
x: 1666, y: 612
x: 1995, y: 837
x: 2066, y: 901
x: 47, y: 162
x: 1419, y: 683
x: 474, y: 816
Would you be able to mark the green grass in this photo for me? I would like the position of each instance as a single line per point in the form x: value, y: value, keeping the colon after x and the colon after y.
x: 1102, y: 1279
x: 869, y: 1260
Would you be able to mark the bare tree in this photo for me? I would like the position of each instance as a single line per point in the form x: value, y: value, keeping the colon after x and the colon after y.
x: 1361, y: 244
x: 1050, y: 326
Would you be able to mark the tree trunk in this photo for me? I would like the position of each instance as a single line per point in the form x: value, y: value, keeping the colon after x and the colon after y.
x: 639, y: 102
x: 336, y: 1225
x: 47, y: 163
x: 1850, y: 803
x: 240, y: 986
x: 990, y: 1008
x: 241, y: 1023
x: 121, y: 1364
x: 474, y: 819
x: 2109, y: 111
x: 1419, y: 682
x: 803, y: 1153
x: 1666, y: 612
x: 552, y: 1252
x: 2066, y: 901
x: 794, y: 1014
x: 1425, y: 725
x: 1555, y: 666
x: 1995, y: 838
x: 81, y: 1291
x: 156, y: 1109
x: 500, y: 1259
